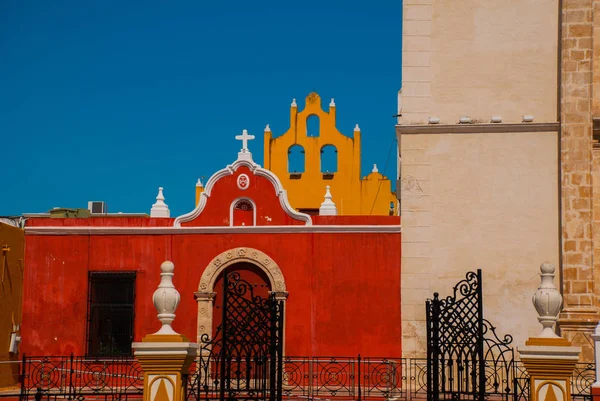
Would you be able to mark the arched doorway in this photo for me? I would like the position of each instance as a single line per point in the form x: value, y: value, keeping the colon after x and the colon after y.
x: 205, y: 296
x: 240, y: 326
x: 248, y: 273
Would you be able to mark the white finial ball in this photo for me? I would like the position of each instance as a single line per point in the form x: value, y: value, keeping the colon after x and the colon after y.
x: 167, y: 267
x: 547, y: 268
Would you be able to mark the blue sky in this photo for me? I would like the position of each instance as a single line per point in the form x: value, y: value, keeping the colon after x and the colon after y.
x: 108, y: 100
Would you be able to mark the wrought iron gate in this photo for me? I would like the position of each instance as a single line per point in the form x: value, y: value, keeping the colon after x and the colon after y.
x: 244, y: 359
x: 466, y: 360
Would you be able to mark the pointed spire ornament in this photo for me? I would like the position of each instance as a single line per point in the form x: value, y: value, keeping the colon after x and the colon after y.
x: 267, y: 128
x: 332, y: 103
x: 375, y: 169
x: 356, y: 128
x: 328, y: 208
x: 166, y: 298
x: 160, y: 208
x: 199, y: 183
x: 294, y: 103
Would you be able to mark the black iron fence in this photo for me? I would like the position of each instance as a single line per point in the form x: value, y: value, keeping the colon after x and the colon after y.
x: 306, y: 378
x: 77, y: 378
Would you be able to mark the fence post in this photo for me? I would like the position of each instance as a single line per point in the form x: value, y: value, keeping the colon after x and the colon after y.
x: 23, y: 372
x: 71, y: 394
x: 359, y: 390
x: 551, y: 377
x: 595, y: 390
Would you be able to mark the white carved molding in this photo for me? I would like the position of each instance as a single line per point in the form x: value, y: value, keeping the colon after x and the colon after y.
x: 205, y: 294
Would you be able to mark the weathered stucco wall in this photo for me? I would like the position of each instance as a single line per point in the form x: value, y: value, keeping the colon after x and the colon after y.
x: 11, y: 292
x: 479, y: 59
x: 474, y: 201
x: 340, y: 303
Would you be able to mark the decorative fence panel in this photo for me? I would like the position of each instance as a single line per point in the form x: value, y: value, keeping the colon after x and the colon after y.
x: 304, y: 378
x: 77, y: 377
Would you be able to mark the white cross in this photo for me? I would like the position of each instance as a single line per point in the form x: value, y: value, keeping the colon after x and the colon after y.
x: 244, y: 138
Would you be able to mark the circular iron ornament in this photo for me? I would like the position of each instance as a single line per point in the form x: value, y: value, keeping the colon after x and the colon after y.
x: 46, y: 375
x: 95, y: 375
x: 243, y: 182
x: 135, y: 376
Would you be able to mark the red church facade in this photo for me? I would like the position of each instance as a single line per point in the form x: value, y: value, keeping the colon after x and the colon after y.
x: 339, y: 276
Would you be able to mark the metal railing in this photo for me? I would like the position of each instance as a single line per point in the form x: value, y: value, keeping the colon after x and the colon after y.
x: 80, y: 377
x: 308, y: 378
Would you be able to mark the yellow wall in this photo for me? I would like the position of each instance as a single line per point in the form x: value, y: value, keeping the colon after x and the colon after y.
x: 11, y: 293
x: 351, y: 195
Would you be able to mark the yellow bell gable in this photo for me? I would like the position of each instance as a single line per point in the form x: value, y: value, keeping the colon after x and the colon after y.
x: 312, y: 136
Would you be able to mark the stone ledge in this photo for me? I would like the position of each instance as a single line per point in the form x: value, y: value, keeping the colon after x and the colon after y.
x: 476, y: 128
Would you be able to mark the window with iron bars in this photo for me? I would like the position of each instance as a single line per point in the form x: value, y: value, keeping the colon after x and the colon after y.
x: 111, y: 298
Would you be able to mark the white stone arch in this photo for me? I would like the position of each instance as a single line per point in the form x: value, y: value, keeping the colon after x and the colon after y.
x: 205, y: 294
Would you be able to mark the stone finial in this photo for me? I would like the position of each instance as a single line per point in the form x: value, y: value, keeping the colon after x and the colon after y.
x: 199, y: 183
x: 160, y: 208
x: 496, y: 119
x: 375, y: 169
x: 294, y: 103
x: 166, y: 298
x: 464, y: 120
x: 328, y: 208
x: 332, y: 103
x: 356, y: 128
x: 527, y: 118
x: 434, y: 120
x: 267, y: 128
x: 547, y: 301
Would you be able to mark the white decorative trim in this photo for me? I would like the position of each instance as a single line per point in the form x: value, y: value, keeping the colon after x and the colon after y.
x: 243, y: 182
x: 258, y: 171
x: 237, y: 255
x: 349, y: 229
x: 232, y: 207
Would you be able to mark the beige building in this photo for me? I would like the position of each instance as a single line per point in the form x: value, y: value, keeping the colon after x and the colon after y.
x: 498, y: 170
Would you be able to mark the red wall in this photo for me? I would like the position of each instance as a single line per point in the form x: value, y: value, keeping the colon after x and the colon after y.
x: 344, y: 288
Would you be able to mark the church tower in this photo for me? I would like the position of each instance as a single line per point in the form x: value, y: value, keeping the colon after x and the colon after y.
x: 313, y: 154
x: 499, y: 164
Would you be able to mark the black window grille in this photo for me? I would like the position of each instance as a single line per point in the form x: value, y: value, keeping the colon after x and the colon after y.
x: 111, y: 298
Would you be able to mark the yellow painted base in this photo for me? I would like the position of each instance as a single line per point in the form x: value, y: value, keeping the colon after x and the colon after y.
x: 550, y: 363
x: 165, y: 338
x: 165, y: 359
x: 548, y: 342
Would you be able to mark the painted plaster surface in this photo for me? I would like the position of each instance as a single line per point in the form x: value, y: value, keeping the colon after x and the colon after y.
x: 479, y: 59
x: 352, y: 194
x: 343, y: 286
x: 340, y: 303
x: 473, y: 201
x: 11, y: 292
